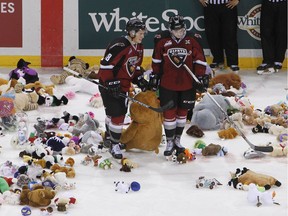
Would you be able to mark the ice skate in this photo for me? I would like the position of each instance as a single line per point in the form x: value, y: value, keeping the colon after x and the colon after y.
x: 178, y: 147
x: 116, y: 151
x: 169, y: 148
x: 235, y: 68
x: 277, y: 66
x: 265, y: 69
x: 217, y: 67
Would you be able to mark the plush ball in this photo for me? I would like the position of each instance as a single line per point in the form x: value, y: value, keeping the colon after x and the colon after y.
x: 26, y: 211
x: 135, y: 186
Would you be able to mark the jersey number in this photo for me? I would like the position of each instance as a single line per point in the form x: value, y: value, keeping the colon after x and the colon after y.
x: 107, y: 58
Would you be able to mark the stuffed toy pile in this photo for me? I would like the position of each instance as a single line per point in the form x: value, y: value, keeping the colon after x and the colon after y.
x: 145, y: 130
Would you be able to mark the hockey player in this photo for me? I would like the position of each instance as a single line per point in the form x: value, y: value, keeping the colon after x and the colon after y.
x: 172, y: 48
x: 119, y: 67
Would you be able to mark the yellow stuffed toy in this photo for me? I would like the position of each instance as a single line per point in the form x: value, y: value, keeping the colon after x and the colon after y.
x: 145, y: 130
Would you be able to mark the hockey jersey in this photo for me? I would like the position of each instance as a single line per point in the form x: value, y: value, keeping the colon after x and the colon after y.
x: 165, y: 60
x: 122, y: 61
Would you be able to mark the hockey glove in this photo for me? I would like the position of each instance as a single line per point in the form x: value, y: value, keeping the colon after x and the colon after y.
x: 204, y: 83
x: 142, y: 83
x: 113, y: 87
x: 154, y: 82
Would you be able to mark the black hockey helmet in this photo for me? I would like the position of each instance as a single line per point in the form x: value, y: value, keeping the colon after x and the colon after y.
x: 176, y: 22
x: 134, y: 25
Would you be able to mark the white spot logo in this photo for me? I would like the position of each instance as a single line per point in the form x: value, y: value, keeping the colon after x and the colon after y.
x: 251, y: 22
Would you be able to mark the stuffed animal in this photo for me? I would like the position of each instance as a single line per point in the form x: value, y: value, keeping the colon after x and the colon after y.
x: 258, y: 197
x: 90, y: 124
x: 214, y: 149
x: 96, y: 100
x: 3, y: 185
x: 229, y: 133
x: 236, y: 118
x: 80, y: 85
x: 145, y: 130
x: 228, y: 80
x: 70, y: 172
x: 279, y: 150
x: 195, y: 131
x: 25, y: 101
x: 75, y: 64
x: 246, y: 177
x: 30, y: 75
x: 40, y: 88
x: 274, y: 110
x: 203, y: 182
x: 37, y: 197
x: 207, y: 115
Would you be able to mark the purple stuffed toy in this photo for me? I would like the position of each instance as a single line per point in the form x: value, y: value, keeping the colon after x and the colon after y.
x: 22, y: 70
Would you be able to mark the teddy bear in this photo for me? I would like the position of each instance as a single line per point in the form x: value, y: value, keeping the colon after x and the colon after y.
x: 228, y: 80
x: 90, y: 124
x: 274, y: 110
x: 145, y: 130
x: 30, y: 75
x: 74, y: 64
x: 214, y: 149
x: 229, y: 133
x: 37, y: 197
x: 194, y: 131
x: 24, y: 101
x: 49, y: 89
x: 207, y: 115
x: 280, y: 150
x: 236, y: 118
x: 70, y: 172
x: 246, y: 177
x: 249, y: 116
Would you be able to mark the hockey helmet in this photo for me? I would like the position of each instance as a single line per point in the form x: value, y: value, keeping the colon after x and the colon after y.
x: 176, y: 22
x: 134, y: 25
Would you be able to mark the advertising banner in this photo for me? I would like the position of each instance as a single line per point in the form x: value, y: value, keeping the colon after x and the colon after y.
x: 11, y: 23
x: 99, y: 23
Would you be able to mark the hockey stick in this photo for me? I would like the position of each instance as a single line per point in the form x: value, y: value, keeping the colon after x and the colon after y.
x: 167, y: 106
x: 256, y: 148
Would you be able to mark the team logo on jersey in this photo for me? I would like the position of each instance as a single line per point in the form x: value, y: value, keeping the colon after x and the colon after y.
x: 131, y: 65
x: 177, y: 56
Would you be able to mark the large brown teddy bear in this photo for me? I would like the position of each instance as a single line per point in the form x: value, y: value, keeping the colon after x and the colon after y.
x: 227, y: 80
x: 145, y: 130
x: 38, y: 197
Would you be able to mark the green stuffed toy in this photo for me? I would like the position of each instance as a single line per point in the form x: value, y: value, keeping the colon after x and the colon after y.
x: 3, y: 185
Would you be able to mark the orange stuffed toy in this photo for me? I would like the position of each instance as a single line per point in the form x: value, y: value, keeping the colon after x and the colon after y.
x: 145, y: 130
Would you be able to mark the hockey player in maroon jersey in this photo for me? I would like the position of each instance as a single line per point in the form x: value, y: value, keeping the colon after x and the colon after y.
x: 172, y: 48
x: 119, y: 67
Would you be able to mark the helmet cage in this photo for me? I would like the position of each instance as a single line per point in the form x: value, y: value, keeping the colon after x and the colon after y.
x: 176, y: 22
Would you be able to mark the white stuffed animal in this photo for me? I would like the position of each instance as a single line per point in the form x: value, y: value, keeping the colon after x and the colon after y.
x: 81, y: 85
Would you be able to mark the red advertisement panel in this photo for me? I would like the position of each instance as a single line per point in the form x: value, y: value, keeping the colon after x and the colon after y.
x: 11, y: 23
